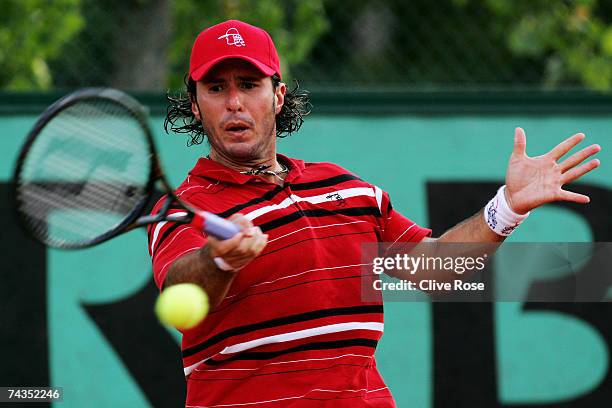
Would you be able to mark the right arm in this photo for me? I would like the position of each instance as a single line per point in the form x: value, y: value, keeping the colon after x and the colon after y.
x: 200, y: 268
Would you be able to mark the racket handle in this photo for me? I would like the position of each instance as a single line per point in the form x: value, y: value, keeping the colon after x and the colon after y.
x: 216, y: 226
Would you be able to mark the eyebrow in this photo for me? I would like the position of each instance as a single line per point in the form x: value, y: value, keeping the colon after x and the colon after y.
x: 249, y: 78
x: 214, y: 80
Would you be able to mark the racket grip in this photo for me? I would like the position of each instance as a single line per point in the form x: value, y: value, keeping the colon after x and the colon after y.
x: 216, y: 226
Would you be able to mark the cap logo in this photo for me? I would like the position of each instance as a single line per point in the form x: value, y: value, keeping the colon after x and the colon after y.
x: 233, y: 37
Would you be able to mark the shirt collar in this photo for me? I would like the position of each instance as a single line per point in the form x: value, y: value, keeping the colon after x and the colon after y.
x: 211, y: 169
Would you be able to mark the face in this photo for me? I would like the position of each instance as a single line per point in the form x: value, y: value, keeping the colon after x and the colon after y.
x: 238, y: 106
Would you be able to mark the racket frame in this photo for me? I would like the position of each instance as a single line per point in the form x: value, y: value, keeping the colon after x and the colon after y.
x: 138, y: 112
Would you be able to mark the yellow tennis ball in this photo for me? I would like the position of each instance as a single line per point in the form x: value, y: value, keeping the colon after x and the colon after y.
x: 182, y: 306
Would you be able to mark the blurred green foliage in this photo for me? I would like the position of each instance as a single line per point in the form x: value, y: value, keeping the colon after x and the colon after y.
x: 573, y: 38
x: 32, y: 32
x: 382, y: 44
x: 295, y: 26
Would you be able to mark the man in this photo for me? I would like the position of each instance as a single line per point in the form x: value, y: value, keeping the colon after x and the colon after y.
x: 288, y: 326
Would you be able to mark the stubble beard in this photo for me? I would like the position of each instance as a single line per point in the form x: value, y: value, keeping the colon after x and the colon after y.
x: 248, y: 154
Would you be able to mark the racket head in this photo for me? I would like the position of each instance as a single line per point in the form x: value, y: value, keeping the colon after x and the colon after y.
x: 54, y: 188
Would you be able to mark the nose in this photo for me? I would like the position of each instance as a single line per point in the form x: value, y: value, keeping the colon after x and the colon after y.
x: 233, y: 101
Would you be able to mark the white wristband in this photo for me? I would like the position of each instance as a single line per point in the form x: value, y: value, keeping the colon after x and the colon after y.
x: 221, y: 264
x: 500, y: 217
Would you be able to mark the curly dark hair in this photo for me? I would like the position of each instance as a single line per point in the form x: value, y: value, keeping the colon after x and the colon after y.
x: 180, y: 118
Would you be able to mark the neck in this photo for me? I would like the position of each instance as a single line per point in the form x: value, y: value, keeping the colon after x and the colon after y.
x: 269, y: 163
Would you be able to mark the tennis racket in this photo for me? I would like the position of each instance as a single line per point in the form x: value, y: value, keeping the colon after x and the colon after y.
x: 89, y: 168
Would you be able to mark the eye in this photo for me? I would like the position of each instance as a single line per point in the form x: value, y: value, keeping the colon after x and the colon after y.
x: 248, y: 85
x: 215, y: 88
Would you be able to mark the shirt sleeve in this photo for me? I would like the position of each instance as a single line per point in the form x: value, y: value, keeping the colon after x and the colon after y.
x: 168, y: 241
x: 394, y: 226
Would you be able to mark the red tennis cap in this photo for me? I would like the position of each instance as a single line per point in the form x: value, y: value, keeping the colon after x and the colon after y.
x: 233, y: 39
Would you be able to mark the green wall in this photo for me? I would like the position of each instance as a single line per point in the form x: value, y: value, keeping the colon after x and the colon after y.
x: 541, y: 357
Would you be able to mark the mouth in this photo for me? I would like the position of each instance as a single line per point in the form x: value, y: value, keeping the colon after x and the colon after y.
x: 236, y: 128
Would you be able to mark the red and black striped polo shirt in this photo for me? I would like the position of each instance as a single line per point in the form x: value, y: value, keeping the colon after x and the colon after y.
x: 293, y: 328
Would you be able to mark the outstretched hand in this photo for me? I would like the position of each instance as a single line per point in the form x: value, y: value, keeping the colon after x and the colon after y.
x: 534, y: 181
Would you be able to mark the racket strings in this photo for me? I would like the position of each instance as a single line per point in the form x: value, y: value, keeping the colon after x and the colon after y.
x: 40, y: 200
x: 91, y: 191
x: 85, y: 172
x: 78, y: 126
x: 71, y: 225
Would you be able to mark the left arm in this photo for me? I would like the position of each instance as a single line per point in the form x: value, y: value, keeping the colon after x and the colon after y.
x: 472, y: 229
x: 530, y: 183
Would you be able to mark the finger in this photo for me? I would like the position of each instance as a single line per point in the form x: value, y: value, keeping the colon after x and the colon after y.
x: 565, y: 146
x: 257, y: 245
x: 579, y: 157
x: 574, y: 197
x: 220, y: 248
x: 578, y: 172
x: 252, y: 231
x: 260, y: 244
x: 520, y: 142
x: 241, y: 221
x: 248, y: 250
x: 245, y: 248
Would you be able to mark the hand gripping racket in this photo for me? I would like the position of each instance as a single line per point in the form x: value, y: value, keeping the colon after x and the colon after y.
x: 88, y: 169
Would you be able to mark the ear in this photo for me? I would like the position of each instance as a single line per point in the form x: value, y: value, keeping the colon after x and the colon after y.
x: 279, y: 97
x: 194, y: 107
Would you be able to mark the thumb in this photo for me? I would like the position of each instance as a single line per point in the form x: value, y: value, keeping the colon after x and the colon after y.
x: 520, y: 142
